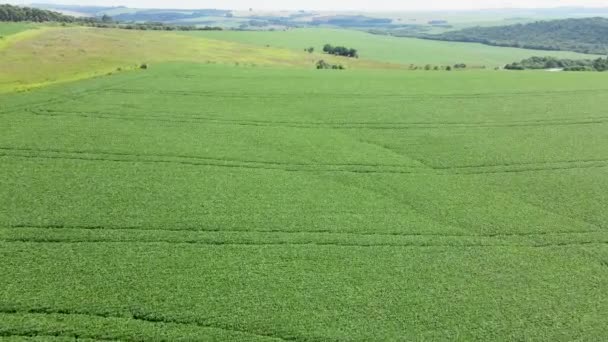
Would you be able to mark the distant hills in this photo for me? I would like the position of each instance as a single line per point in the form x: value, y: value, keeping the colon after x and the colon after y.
x: 122, y: 13
x: 501, y: 27
x: 586, y: 35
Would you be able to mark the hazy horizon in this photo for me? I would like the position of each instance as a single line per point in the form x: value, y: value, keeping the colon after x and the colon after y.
x: 335, y: 5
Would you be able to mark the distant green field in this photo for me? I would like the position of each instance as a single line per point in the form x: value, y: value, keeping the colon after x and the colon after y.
x: 7, y: 29
x: 389, y: 49
x: 207, y: 202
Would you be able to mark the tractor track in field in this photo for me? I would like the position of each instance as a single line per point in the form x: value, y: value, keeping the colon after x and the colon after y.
x: 173, y: 118
x: 234, y: 166
x: 200, y: 157
x: 474, y: 96
x: 42, y: 240
x: 278, y: 231
x: 24, y: 234
x: 55, y: 154
x: 195, y: 160
x: 219, y: 230
x: 135, y: 316
x: 32, y: 333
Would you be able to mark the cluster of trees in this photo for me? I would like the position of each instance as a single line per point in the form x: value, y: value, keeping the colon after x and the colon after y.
x: 340, y: 51
x: 599, y: 64
x: 588, y: 35
x: 16, y: 13
x: 324, y: 65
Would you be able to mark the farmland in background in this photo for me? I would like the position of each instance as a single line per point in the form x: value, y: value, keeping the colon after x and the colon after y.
x: 57, y: 54
x: 387, y: 48
x: 193, y: 201
x: 38, y: 55
x: 391, y: 21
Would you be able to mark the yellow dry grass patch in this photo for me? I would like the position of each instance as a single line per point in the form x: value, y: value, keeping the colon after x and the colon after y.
x: 66, y: 54
x: 9, y: 40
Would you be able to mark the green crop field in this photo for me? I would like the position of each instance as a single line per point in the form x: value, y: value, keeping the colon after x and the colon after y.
x: 7, y: 29
x: 215, y: 202
x: 387, y: 48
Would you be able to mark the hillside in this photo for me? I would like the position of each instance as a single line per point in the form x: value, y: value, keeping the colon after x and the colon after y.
x: 588, y: 35
x: 386, y: 48
x: 80, y: 52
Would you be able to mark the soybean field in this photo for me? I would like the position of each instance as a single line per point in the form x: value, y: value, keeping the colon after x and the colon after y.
x: 216, y: 202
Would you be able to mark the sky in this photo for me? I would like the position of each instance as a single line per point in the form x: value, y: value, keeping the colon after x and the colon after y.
x: 371, y: 5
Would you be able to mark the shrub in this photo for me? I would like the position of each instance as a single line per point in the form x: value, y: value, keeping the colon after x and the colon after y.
x: 579, y: 68
x: 143, y: 66
x: 514, y: 66
x: 321, y: 64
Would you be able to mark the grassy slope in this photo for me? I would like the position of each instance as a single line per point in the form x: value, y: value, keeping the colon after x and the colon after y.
x: 388, y: 49
x: 11, y: 33
x: 64, y: 54
x: 217, y: 202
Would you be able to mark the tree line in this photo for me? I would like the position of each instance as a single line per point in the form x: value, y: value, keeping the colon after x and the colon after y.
x: 587, y: 35
x: 18, y: 14
x: 536, y: 63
